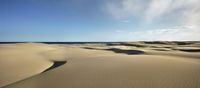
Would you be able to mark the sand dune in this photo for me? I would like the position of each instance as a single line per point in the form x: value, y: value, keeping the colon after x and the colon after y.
x: 19, y: 61
x: 113, y: 65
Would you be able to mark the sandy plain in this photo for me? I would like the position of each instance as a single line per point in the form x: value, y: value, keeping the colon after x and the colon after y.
x: 100, y: 65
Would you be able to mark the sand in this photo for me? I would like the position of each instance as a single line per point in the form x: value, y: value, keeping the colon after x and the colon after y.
x: 115, y: 65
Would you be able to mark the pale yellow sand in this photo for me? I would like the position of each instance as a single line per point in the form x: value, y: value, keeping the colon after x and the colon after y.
x: 19, y: 61
x: 100, y: 66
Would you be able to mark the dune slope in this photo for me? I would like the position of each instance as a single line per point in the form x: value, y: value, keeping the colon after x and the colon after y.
x: 19, y: 61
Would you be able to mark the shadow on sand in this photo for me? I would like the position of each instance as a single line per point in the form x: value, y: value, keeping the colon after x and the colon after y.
x: 55, y: 65
x: 189, y: 50
x: 129, y: 52
x: 126, y: 44
x: 116, y: 50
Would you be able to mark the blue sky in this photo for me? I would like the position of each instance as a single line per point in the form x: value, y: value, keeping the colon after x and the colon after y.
x: 99, y: 20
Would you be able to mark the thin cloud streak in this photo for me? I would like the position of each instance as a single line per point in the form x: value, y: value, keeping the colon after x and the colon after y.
x: 186, y: 33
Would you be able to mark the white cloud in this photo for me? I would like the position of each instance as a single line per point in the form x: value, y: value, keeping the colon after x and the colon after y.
x: 186, y: 10
x: 123, y: 9
x: 177, y: 12
x: 157, y: 8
